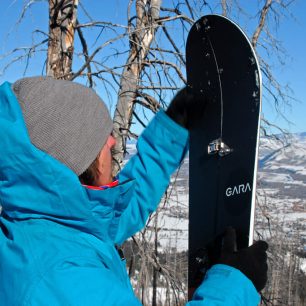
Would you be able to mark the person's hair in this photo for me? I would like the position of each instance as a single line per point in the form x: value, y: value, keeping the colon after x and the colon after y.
x: 89, y: 176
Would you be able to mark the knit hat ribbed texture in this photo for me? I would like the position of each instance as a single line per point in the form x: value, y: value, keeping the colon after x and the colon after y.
x: 66, y: 120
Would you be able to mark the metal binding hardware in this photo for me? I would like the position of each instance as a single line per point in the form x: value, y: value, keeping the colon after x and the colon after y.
x: 218, y: 146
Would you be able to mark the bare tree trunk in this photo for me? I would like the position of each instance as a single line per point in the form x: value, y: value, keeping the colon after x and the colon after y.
x: 261, y: 24
x: 224, y: 7
x: 62, y: 22
x: 140, y: 40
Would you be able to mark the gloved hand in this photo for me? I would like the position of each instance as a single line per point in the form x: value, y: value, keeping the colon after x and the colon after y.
x: 187, y: 107
x: 251, y: 261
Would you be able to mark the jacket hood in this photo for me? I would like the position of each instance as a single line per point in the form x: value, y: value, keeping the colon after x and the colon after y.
x: 35, y: 185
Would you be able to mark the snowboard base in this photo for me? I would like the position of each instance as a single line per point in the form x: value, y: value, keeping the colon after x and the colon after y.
x: 222, y: 64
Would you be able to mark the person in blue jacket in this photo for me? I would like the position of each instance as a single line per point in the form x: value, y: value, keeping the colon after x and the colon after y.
x: 62, y: 213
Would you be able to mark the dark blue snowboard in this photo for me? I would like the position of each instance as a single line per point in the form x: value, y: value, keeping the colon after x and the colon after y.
x: 222, y: 64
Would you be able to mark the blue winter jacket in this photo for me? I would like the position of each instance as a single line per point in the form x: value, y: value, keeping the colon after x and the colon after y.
x: 57, y: 237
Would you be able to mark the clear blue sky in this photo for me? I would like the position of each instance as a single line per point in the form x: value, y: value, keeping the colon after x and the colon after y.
x: 294, y: 73
x: 291, y: 33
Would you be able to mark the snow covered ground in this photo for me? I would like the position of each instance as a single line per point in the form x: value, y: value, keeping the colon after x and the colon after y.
x: 282, y: 181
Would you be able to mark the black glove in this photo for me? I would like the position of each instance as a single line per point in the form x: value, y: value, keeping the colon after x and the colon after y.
x: 251, y: 261
x: 187, y: 107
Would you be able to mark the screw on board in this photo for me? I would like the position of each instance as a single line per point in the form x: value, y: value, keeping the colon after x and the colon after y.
x: 252, y: 60
x: 206, y: 24
x: 257, y: 79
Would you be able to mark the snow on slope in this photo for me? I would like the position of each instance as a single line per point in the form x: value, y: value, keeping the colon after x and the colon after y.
x: 287, y: 157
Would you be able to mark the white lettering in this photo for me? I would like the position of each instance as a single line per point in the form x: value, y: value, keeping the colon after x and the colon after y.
x: 247, y: 186
x: 228, y: 192
x: 235, y: 190
x: 241, y: 188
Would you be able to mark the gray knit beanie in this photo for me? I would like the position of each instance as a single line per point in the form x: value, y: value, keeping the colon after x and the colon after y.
x: 65, y: 119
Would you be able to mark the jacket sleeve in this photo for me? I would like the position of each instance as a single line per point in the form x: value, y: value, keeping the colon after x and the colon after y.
x: 160, y: 150
x: 224, y: 285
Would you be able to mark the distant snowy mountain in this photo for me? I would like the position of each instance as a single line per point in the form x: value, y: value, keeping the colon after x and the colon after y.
x: 282, y: 166
x: 282, y: 182
x: 287, y: 155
